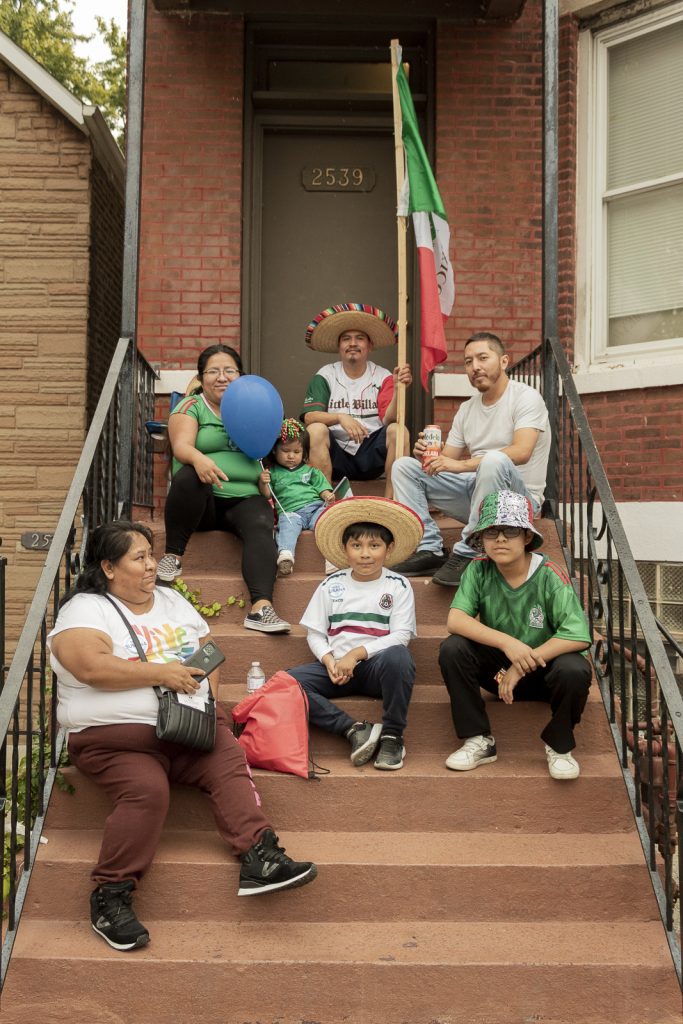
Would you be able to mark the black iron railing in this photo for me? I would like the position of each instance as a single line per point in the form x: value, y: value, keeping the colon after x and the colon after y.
x: 636, y: 680
x: 114, y: 472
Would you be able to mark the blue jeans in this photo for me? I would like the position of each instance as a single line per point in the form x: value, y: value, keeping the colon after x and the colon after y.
x: 290, y: 524
x: 388, y: 676
x: 457, y: 494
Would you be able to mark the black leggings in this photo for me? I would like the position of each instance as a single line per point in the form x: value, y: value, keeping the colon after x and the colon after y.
x: 191, y: 506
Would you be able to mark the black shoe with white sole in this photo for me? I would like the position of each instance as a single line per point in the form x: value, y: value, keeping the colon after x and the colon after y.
x: 391, y: 754
x: 364, y: 740
x: 267, y: 868
x: 112, y: 916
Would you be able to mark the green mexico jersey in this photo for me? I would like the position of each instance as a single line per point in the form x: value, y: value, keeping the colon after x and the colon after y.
x: 212, y: 440
x: 544, y: 606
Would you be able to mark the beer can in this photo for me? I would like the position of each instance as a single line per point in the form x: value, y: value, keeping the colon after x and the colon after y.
x: 431, y: 439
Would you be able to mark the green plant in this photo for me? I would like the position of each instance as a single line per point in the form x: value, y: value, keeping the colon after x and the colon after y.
x: 208, y: 610
x: 21, y: 786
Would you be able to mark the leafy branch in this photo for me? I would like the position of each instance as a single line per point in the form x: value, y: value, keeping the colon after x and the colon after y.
x: 211, y: 609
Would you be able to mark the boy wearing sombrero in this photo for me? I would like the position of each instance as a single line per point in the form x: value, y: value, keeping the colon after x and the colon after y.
x: 360, y: 621
x: 526, y: 643
x: 350, y: 405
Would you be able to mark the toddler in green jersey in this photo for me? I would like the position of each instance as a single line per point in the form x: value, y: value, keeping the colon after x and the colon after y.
x: 517, y: 629
x: 302, y: 492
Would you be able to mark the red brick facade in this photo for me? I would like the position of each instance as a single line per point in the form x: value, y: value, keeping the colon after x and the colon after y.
x: 190, y: 252
x: 489, y: 168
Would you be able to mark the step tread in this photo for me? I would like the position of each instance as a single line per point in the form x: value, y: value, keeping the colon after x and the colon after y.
x: 633, y: 944
x: 449, y: 849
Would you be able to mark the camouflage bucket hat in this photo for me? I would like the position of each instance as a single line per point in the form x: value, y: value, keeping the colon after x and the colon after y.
x: 506, y: 508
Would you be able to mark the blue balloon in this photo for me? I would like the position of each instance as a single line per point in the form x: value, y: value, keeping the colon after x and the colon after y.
x: 252, y: 412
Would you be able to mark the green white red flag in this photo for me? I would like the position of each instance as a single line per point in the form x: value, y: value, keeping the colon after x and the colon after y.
x: 420, y: 197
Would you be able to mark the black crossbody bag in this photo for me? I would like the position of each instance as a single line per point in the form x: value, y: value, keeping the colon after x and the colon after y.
x: 177, y: 722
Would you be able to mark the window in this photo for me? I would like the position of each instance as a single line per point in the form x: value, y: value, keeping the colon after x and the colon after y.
x: 631, y: 196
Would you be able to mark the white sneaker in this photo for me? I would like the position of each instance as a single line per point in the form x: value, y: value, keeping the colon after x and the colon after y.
x: 330, y: 568
x: 561, y: 766
x: 475, y: 751
x: 285, y: 563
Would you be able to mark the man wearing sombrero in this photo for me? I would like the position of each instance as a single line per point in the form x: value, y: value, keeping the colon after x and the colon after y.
x: 350, y: 405
x: 360, y: 621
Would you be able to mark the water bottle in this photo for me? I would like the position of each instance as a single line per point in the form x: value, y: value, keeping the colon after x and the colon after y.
x: 256, y: 677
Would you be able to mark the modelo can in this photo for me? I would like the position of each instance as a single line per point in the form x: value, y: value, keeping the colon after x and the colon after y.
x: 431, y: 440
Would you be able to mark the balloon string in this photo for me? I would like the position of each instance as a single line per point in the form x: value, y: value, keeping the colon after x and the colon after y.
x: 274, y: 495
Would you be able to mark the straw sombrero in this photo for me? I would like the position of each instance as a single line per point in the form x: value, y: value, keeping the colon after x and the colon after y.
x: 405, y: 525
x: 322, y: 334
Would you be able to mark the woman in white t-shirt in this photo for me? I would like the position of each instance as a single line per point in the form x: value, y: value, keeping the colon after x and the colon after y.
x: 106, y: 700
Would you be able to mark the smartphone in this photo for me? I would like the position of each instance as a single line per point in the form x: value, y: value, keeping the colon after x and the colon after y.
x: 208, y: 657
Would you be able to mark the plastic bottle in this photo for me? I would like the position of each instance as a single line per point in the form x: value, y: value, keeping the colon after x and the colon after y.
x: 256, y: 677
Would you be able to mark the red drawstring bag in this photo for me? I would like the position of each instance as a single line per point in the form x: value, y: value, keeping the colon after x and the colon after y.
x: 275, y: 733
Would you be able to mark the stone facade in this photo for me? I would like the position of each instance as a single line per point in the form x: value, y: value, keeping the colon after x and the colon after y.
x: 57, y: 202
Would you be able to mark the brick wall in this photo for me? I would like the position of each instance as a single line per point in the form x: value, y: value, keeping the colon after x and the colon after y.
x: 489, y: 167
x: 44, y: 234
x: 190, y: 257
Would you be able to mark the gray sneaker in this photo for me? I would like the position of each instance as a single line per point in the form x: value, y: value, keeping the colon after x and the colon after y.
x: 363, y: 738
x: 391, y: 754
x: 169, y: 569
x: 266, y: 621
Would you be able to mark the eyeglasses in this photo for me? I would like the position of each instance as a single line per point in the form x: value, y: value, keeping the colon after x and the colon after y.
x: 225, y: 371
x: 509, y: 532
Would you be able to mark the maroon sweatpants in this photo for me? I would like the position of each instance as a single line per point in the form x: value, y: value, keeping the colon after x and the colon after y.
x: 136, y: 770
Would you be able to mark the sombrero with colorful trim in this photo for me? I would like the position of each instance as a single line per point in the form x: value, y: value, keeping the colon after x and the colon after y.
x: 322, y: 334
x: 405, y: 526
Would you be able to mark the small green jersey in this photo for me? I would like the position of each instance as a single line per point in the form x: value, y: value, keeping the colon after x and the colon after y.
x: 544, y: 606
x: 212, y: 440
x: 297, y: 487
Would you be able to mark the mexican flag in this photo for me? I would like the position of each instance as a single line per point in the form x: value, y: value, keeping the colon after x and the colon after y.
x: 420, y: 196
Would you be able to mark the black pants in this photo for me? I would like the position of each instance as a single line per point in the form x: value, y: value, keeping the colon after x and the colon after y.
x: 564, y: 683
x: 192, y: 506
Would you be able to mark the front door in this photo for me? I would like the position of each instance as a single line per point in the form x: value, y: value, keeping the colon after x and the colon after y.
x: 320, y: 194
x: 328, y: 236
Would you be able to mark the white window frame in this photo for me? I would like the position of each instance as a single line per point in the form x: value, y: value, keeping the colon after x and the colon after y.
x: 592, y: 354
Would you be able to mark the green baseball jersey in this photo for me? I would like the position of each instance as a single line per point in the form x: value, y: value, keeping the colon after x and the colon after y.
x: 297, y: 487
x: 212, y: 440
x: 544, y: 606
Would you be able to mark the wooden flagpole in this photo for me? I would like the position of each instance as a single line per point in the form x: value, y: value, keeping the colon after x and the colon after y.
x: 401, y: 226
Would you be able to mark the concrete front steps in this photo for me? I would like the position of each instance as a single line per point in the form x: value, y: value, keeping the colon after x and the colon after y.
x: 492, y: 897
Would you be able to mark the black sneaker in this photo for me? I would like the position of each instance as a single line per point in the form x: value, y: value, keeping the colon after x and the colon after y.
x: 391, y: 754
x: 420, y: 563
x: 450, y: 572
x: 112, y: 916
x: 266, y: 868
x: 363, y: 738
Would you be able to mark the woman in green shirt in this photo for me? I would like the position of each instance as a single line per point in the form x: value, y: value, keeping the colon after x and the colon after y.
x: 215, y: 487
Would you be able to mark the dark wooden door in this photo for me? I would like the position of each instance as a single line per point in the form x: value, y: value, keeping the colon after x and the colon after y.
x: 328, y: 235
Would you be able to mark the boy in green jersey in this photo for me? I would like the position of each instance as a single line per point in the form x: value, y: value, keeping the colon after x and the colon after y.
x: 517, y: 629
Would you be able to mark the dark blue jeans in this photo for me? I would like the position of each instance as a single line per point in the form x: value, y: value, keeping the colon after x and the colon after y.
x: 388, y: 676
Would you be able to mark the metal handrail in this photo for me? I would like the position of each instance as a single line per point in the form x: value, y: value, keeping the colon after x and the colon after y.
x: 113, y: 472
x: 636, y: 680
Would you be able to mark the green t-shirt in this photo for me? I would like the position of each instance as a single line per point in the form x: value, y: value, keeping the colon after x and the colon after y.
x: 544, y: 606
x: 297, y: 487
x: 212, y: 440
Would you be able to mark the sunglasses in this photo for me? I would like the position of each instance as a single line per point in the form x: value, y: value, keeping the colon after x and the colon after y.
x: 509, y: 532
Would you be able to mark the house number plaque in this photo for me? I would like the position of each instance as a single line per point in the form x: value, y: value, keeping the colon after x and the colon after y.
x: 338, y: 179
x: 36, y: 540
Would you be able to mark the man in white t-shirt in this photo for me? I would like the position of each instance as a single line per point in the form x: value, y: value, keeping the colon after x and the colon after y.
x: 350, y: 405
x: 500, y: 440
